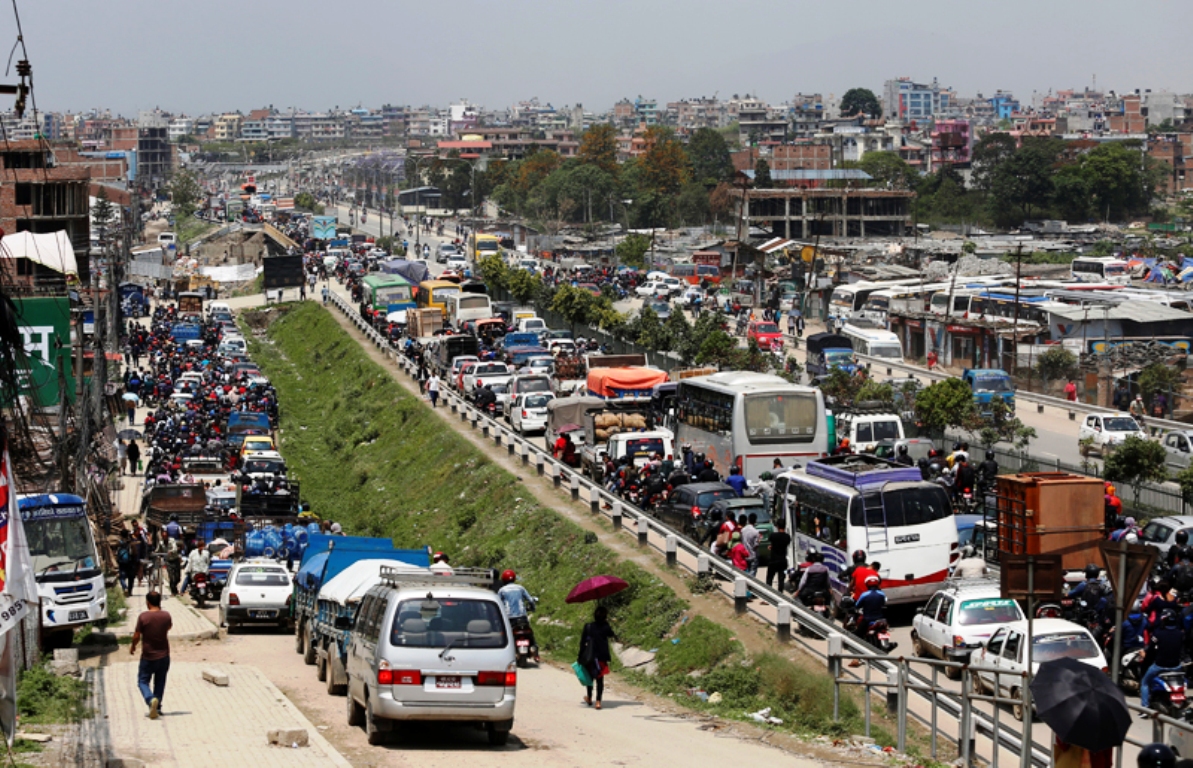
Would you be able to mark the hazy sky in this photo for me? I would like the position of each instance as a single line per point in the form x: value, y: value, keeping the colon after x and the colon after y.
x: 220, y: 55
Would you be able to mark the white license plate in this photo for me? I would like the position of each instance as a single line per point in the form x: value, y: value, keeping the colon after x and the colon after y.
x: 523, y: 643
x: 450, y: 681
x: 883, y: 636
x: 262, y: 614
x: 77, y: 616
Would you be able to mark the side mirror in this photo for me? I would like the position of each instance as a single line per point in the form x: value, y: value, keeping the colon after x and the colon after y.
x: 919, y: 611
x: 343, y: 622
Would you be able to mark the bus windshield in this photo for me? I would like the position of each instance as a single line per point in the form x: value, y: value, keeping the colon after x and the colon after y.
x: 60, y: 544
x: 395, y: 295
x: 780, y: 418
x: 992, y: 382
x: 489, y: 246
x: 892, y: 351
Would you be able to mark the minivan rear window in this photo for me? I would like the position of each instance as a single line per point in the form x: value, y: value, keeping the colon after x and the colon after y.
x: 461, y: 622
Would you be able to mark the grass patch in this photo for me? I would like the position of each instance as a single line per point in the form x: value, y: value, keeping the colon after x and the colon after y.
x: 24, y: 745
x: 117, y: 605
x: 43, y: 697
x: 374, y: 458
x: 698, y: 645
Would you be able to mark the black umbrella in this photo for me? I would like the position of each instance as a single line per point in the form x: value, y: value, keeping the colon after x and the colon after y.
x: 1080, y: 704
x: 128, y: 434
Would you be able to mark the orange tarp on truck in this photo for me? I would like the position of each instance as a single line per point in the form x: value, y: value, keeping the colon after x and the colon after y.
x: 624, y: 382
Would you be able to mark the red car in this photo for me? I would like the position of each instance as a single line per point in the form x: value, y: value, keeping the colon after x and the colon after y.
x: 767, y: 335
x: 591, y: 288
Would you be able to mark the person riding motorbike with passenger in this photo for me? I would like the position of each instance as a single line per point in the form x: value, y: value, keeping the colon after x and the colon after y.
x: 987, y: 471
x: 970, y: 566
x: 964, y: 478
x: 855, y: 576
x: 517, y: 601
x: 485, y: 397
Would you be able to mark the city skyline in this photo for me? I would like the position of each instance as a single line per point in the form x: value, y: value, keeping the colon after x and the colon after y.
x: 240, y: 57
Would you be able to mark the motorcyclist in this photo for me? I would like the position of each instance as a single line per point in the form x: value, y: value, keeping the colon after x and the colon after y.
x: 935, y: 464
x: 903, y: 457
x: 1181, y: 576
x: 963, y: 474
x: 815, y: 579
x: 517, y: 600
x: 1133, y: 628
x: 987, y: 471
x: 970, y: 566
x: 1156, y: 756
x: 1091, y: 589
x: 1164, y: 648
x: 485, y: 397
x: 1179, y: 551
x: 857, y: 574
x: 871, y: 604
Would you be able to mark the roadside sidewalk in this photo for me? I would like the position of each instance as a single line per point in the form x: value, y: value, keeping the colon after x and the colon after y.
x: 189, y: 624
x: 201, y: 724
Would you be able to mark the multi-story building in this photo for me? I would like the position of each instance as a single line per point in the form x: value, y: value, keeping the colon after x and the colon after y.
x: 757, y: 122
x: 254, y: 130
x: 227, y: 127
x: 278, y: 126
x: 906, y: 100
x: 1161, y: 106
x: 1175, y: 150
x: 154, y: 151
x: 1130, y: 116
x: 693, y: 114
x: 952, y: 143
x: 179, y: 127
x: 807, y: 113
x: 1003, y: 105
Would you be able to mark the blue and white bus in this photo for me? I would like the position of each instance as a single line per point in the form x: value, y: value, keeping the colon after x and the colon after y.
x: 66, y: 564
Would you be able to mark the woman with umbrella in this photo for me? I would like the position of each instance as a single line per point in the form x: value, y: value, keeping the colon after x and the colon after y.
x: 594, y: 656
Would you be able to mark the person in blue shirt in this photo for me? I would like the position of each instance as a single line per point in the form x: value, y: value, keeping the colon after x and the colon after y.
x: 516, y: 600
x: 737, y: 480
x: 872, y: 604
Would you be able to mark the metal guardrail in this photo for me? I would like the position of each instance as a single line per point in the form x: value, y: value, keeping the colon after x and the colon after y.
x: 787, y: 611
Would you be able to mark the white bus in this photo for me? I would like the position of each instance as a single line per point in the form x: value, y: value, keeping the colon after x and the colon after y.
x: 846, y: 504
x: 66, y: 564
x: 462, y: 307
x: 849, y: 300
x: 751, y: 419
x: 1101, y: 269
x: 874, y: 342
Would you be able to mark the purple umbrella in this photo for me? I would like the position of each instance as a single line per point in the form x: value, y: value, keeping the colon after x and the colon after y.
x: 596, y: 588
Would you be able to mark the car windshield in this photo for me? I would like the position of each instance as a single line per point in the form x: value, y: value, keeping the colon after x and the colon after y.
x: 251, y: 576
x: 992, y: 383
x: 996, y: 611
x: 534, y: 385
x: 431, y: 623
x: 766, y: 328
x: 1063, y: 645
x: 499, y: 389
x: 1156, y: 533
x: 891, y: 351
x: 706, y: 499
x: 538, y: 401
x: 495, y: 368
x: 1121, y: 424
x: 660, y: 306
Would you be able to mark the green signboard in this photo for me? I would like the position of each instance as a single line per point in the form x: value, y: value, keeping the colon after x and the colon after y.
x: 45, y: 329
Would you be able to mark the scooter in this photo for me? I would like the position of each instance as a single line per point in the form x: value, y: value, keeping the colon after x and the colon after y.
x: 878, y: 634
x: 524, y: 642
x: 1167, y: 693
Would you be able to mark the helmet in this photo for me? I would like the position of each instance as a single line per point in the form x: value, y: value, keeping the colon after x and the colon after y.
x: 956, y: 446
x: 873, y: 580
x: 859, y: 557
x: 1092, y: 571
x: 1131, y: 538
x: 1156, y: 756
x: 699, y: 458
x: 968, y: 551
x: 845, y: 442
x: 508, y: 576
x: 989, y: 455
x: 1182, y: 537
x: 903, y: 449
x: 439, y: 558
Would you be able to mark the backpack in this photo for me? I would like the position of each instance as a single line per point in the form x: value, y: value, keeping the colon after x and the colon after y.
x: 123, y: 556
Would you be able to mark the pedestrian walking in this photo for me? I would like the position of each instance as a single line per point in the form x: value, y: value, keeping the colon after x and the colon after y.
x: 326, y: 293
x: 153, y: 629
x: 594, y: 653
x: 302, y: 291
x: 122, y: 455
x: 791, y: 324
x: 931, y: 359
x: 799, y: 326
x: 134, y: 457
x: 433, y: 389
x: 779, y: 542
x: 126, y: 563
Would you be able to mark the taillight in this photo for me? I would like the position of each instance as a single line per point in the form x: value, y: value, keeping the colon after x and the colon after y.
x: 523, y: 413
x: 399, y: 677
x: 958, y: 641
x: 507, y: 679
x: 695, y: 511
x: 289, y: 598
x: 234, y: 600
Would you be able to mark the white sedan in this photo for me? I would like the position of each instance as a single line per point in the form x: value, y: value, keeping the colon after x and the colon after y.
x: 457, y: 262
x: 258, y: 592
x: 1006, y: 652
x: 1104, y: 432
x: 528, y: 413
x: 652, y: 288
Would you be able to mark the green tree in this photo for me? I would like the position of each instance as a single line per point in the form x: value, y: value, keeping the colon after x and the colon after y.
x: 1184, y: 478
x: 494, y: 272
x: 944, y: 404
x: 185, y: 194
x: 888, y: 169
x: 709, y: 153
x: 1022, y: 186
x: 718, y: 348
x: 524, y: 286
x: 631, y: 251
x: 681, y: 335
x: 762, y: 179
x: 1056, y: 363
x: 103, y: 215
x: 1071, y: 198
x: 692, y: 204
x: 841, y: 387
x: 1159, y: 378
x: 1135, y: 462
x: 991, y: 151
x: 1118, y: 180
x: 860, y: 100
x: 574, y: 304
x: 872, y: 391
x: 598, y: 147
x: 649, y: 330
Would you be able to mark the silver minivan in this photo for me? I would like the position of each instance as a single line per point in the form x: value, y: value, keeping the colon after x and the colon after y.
x: 431, y: 648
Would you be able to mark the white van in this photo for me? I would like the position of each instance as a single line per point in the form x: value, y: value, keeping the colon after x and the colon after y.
x: 866, y: 430
x: 874, y: 342
x: 166, y: 238
x: 431, y: 647
x: 532, y: 325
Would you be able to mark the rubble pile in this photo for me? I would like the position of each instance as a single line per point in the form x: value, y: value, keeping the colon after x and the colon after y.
x: 967, y: 266
x: 1134, y: 355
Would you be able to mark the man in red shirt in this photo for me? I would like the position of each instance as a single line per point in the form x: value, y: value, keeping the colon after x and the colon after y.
x: 858, y: 574
x: 153, y: 626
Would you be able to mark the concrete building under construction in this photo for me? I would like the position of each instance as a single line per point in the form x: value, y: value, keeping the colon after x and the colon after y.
x: 807, y: 213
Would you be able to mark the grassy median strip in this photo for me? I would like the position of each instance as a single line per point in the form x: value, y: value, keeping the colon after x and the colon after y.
x: 373, y: 457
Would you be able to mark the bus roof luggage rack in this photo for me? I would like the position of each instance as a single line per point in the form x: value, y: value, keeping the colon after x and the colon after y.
x: 862, y: 471
x: 471, y: 577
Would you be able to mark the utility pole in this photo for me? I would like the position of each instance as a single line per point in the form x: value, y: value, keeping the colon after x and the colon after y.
x: 1015, y: 331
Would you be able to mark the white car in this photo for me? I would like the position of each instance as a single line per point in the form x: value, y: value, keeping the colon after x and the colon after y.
x: 457, y: 262
x: 1006, y: 652
x: 689, y: 297
x: 565, y: 346
x: 528, y: 413
x: 476, y: 376
x: 653, y: 288
x: 1105, y: 431
x: 959, y: 619
x: 675, y: 286
x: 258, y: 592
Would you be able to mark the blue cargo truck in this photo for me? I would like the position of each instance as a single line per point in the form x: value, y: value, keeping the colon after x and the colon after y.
x: 990, y: 385
x: 325, y: 558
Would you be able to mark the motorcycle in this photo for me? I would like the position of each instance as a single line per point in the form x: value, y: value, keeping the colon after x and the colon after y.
x: 524, y: 643
x: 1167, y: 693
x: 200, y: 589
x: 878, y: 634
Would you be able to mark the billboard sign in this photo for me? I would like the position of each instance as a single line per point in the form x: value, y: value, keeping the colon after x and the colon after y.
x: 323, y: 227
x: 45, y: 330
x: 283, y: 272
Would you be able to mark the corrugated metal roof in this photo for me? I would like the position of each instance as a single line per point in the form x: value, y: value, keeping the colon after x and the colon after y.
x: 809, y: 174
x: 1137, y: 311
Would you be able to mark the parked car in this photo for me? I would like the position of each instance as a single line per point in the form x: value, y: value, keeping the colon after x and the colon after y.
x: 675, y: 286
x: 528, y: 412
x: 1178, y: 446
x: 1006, y: 651
x: 419, y: 651
x: 1161, y: 532
x: 766, y: 334
x: 661, y: 309
x: 257, y: 592
x: 959, y: 619
x: 687, y: 506
x: 1105, y: 431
